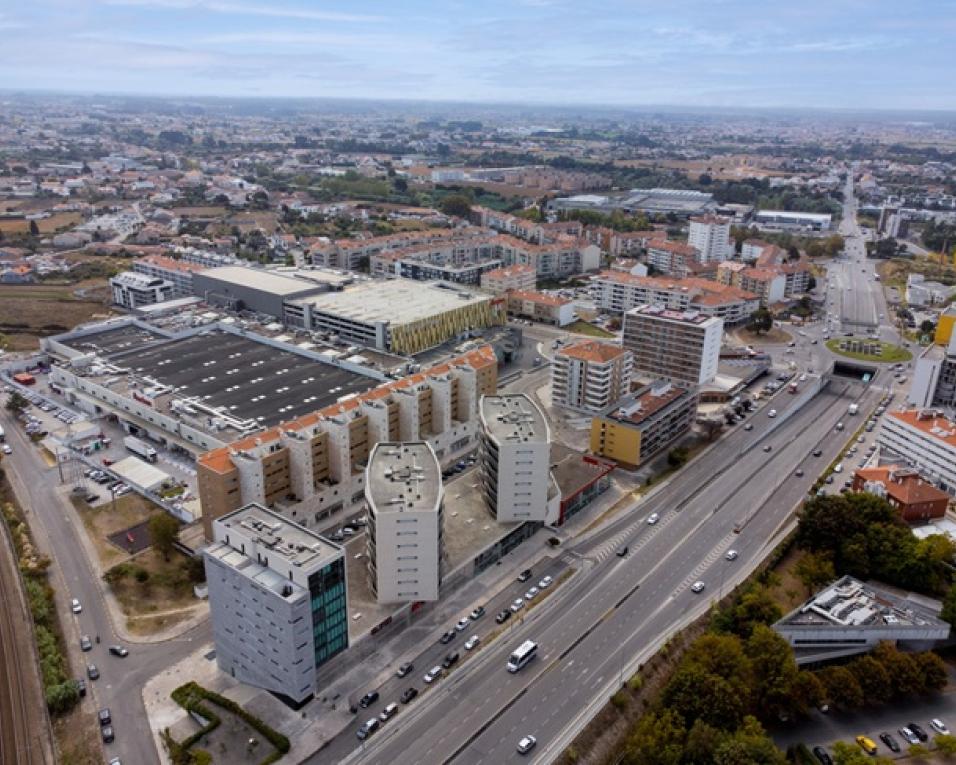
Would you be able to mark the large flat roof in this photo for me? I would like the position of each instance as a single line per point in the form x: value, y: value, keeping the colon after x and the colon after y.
x: 260, y: 279
x: 394, y: 301
x: 403, y: 477
x: 114, y: 343
x: 251, y: 379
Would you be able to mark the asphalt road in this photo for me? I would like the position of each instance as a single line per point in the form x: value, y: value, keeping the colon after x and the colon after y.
x: 121, y: 682
x: 619, y: 608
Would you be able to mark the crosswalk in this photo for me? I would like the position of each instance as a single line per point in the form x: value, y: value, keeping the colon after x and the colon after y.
x: 718, y: 551
x: 612, y: 545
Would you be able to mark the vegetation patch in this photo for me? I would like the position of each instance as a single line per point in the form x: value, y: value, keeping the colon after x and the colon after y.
x: 586, y: 328
x: 875, y: 351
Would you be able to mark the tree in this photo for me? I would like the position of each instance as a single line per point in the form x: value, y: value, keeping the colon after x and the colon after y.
x: 807, y: 692
x: 754, y: 606
x: 841, y: 687
x: 698, y: 695
x: 761, y: 320
x: 949, y: 606
x: 164, y: 533
x: 657, y: 740
x: 774, y: 672
x: 932, y: 671
x: 849, y: 754
x: 749, y: 744
x: 702, y: 741
x: 456, y: 204
x: 16, y: 403
x: 946, y: 744
x: 814, y: 570
x: 34, y: 228
x: 873, y: 679
x: 677, y: 456
x: 927, y: 326
x: 401, y: 185
x: 905, y: 677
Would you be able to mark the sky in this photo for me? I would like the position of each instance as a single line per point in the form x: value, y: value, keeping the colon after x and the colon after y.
x: 775, y: 53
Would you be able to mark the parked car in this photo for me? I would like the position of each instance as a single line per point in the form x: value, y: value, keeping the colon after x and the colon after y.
x: 367, y: 729
x: 404, y: 669
x: 92, y: 672
x: 118, y: 650
x: 451, y: 660
x: 80, y: 684
x: 85, y: 643
x: 891, y: 743
x: 477, y: 613
x: 525, y: 575
x: 908, y: 736
x: 532, y: 593
x: 502, y: 617
x: 408, y: 694
x: 545, y: 583
x: 517, y: 605
x: 472, y: 642
x: 821, y: 754
x: 939, y: 726
x: 447, y: 637
x: 918, y: 731
x: 368, y: 699
x: 432, y: 675
x: 104, y: 716
x: 107, y: 733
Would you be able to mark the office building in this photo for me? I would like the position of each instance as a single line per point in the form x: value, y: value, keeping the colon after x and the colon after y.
x: 619, y: 291
x: 681, y: 346
x: 398, y: 315
x: 644, y: 424
x: 501, y: 280
x: 312, y: 468
x: 515, y: 460
x: 403, y: 489
x: 916, y: 500
x: 277, y: 601
x: 132, y: 290
x: 710, y: 236
x: 590, y: 375
x: 849, y: 617
x: 925, y: 440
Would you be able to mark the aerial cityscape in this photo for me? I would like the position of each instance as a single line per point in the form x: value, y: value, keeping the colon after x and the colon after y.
x: 512, y: 382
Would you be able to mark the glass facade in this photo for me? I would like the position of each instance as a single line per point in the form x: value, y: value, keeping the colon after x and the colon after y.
x: 329, y: 614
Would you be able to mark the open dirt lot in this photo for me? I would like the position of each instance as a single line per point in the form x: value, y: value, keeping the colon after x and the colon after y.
x: 102, y: 521
x: 46, y: 225
x: 31, y: 311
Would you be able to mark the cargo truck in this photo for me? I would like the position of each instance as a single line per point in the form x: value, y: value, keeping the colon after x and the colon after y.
x: 140, y: 448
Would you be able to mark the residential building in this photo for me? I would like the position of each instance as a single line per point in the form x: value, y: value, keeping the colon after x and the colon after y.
x: 923, y: 439
x: 507, y: 278
x: 538, y: 306
x: 916, y: 500
x: 618, y: 291
x: 751, y: 249
x: 590, y: 375
x: 681, y: 346
x: 178, y: 272
x: 768, y: 285
x: 515, y: 453
x: 132, y: 290
x: 277, y: 601
x: 849, y: 617
x: 643, y: 424
x: 313, y: 467
x: 397, y: 315
x: 404, y: 493
x: 710, y: 236
x: 675, y: 258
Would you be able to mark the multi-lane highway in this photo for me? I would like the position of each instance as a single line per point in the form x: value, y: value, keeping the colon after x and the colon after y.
x: 618, y: 609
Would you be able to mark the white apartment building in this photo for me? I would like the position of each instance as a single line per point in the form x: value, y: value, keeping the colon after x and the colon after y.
x: 925, y: 440
x: 509, y: 278
x: 178, y: 272
x: 710, y: 236
x: 516, y: 460
x: 132, y: 290
x: 618, y: 291
x: 590, y: 376
x: 403, y: 489
x: 277, y: 601
x: 681, y: 346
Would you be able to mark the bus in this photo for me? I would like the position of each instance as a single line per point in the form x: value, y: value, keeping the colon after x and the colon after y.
x: 522, y: 655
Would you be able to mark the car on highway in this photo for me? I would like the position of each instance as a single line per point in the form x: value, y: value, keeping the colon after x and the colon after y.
x: 749, y: 426
x: 545, y: 582
x: 477, y: 613
x: 892, y: 744
x: 939, y: 726
x: 502, y: 617
x: 517, y: 605
x: 85, y: 643
x: 408, y: 694
x: 405, y: 669
x: 525, y: 575
x: 866, y: 744
x: 532, y: 593
x: 921, y: 734
x: 822, y: 756
x: 908, y: 736
x: 772, y: 413
x: 75, y: 606
x: 432, y: 675
x: 462, y: 624
x: 799, y: 473
x: 817, y: 452
x: 92, y: 672
x: 731, y: 555
x: 118, y: 650
x: 368, y: 699
x: 526, y: 744
x: 472, y: 643
x: 6, y: 448
x: 697, y: 586
x: 622, y: 552
x: 447, y: 637
x: 838, y: 468
x: 653, y: 518
x: 367, y: 729
x: 767, y: 448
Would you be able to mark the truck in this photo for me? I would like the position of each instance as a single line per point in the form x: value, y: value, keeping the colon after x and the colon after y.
x: 140, y: 448
x: 854, y: 408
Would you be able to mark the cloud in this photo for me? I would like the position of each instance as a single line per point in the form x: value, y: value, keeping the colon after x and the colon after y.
x: 249, y: 9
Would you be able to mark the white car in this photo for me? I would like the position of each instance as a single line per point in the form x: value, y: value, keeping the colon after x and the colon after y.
x: 545, y: 583
x: 697, y: 587
x: 75, y: 606
x: 772, y: 413
x: 731, y: 555
x: 652, y: 519
x: 432, y: 675
x: 939, y: 726
x: 526, y: 744
x: 462, y: 624
x: 530, y: 594
x: 7, y: 449
x: 517, y: 606
x: 472, y: 642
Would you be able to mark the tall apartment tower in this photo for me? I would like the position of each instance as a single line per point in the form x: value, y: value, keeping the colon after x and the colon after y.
x: 710, y: 236
x: 681, y: 346
x: 277, y: 599
x: 403, y: 488
x: 515, y: 459
x: 590, y: 376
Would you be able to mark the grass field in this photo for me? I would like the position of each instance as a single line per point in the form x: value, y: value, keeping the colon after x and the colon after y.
x: 30, y: 311
x: 46, y: 226
x: 584, y: 328
x: 892, y: 354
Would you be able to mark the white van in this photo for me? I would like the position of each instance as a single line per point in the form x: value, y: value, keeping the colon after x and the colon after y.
x: 838, y: 468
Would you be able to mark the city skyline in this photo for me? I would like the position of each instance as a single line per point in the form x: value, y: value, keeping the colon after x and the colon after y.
x: 726, y: 54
